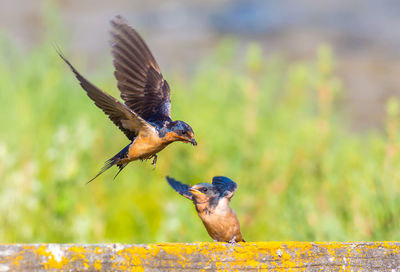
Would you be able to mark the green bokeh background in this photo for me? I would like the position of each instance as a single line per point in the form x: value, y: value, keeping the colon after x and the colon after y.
x: 273, y: 126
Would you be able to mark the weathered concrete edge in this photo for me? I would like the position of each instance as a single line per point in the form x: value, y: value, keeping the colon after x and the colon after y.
x: 253, y: 256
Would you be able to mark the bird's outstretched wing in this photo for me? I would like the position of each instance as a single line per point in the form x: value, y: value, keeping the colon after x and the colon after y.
x: 140, y: 81
x: 225, y: 186
x: 123, y: 117
x: 182, y: 189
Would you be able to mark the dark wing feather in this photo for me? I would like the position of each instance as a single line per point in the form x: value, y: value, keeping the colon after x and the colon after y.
x: 123, y: 117
x: 140, y: 81
x: 182, y: 189
x: 225, y: 186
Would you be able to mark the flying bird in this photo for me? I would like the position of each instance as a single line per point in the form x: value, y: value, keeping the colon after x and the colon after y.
x: 145, y: 116
x: 212, y: 206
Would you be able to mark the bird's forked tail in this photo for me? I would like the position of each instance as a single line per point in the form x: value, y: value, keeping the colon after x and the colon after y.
x: 113, y: 161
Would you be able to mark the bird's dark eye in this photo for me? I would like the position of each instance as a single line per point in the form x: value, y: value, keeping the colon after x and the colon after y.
x: 204, y: 190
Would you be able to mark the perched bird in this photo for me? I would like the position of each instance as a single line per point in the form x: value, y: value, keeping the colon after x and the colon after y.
x: 212, y: 205
x: 144, y: 116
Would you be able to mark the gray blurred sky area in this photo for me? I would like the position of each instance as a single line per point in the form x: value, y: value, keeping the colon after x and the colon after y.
x: 364, y: 34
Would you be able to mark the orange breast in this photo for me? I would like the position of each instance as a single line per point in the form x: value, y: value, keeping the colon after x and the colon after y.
x: 222, y: 226
x: 145, y: 146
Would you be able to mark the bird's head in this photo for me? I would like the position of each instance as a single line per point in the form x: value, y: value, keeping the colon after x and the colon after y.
x: 203, y: 192
x: 180, y: 131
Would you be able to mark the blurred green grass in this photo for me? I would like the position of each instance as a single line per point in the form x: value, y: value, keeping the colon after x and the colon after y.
x: 274, y: 127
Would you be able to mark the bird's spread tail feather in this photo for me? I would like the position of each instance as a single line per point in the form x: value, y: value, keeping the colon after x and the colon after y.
x: 121, y: 166
x: 113, y: 161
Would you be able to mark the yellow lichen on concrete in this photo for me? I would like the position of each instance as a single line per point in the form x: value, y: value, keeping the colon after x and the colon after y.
x: 97, y: 264
x: 180, y: 251
x: 50, y: 261
x: 79, y: 253
x: 17, y: 260
x: 133, y: 257
x: 98, y: 250
x: 391, y: 246
x: 245, y: 255
x: 254, y: 256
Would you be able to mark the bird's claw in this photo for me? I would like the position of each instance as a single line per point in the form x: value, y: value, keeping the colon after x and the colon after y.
x: 233, y: 240
x: 154, y: 162
x: 232, y: 243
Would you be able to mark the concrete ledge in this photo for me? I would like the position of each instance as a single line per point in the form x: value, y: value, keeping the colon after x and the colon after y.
x: 257, y: 256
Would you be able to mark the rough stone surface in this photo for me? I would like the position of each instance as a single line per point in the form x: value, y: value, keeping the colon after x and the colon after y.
x: 257, y: 256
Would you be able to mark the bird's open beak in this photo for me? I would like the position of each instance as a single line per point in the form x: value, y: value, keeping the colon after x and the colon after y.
x: 195, y: 191
x: 193, y: 142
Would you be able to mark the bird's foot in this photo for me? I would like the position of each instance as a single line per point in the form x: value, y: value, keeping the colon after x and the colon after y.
x: 233, y: 240
x: 232, y: 243
x: 154, y: 162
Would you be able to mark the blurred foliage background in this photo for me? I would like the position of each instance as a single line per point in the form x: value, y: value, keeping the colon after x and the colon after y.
x: 274, y: 126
